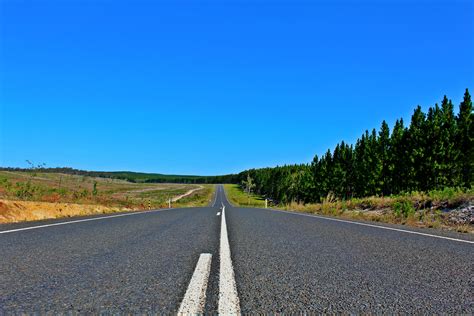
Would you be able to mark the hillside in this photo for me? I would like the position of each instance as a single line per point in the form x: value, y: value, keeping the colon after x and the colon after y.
x: 138, y: 177
x: 36, y: 195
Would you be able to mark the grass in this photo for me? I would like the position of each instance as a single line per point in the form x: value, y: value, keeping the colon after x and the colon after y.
x: 110, y: 193
x: 123, y: 175
x: 239, y: 197
x: 198, y: 198
x: 415, y: 209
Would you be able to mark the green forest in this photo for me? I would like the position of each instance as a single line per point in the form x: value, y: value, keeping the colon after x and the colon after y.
x: 434, y: 151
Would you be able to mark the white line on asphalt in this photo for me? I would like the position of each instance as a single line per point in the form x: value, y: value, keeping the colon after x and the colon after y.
x: 195, y: 297
x: 377, y: 226
x: 215, y: 197
x: 78, y: 221
x: 228, y: 298
x: 218, y: 213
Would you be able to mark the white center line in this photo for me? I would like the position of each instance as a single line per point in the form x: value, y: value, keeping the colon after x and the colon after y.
x: 228, y: 299
x: 195, y: 298
x: 78, y: 221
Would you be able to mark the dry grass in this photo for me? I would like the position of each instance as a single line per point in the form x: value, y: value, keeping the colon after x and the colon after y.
x: 17, y: 211
x: 416, y: 209
x: 59, y: 192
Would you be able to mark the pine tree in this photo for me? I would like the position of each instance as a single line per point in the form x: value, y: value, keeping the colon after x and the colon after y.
x: 360, y: 166
x: 416, y: 151
x: 384, y: 152
x: 348, y: 158
x: 433, y: 151
x: 399, y: 162
x: 374, y: 165
x: 326, y: 173
x: 338, y: 182
x: 465, y: 139
x: 450, y: 152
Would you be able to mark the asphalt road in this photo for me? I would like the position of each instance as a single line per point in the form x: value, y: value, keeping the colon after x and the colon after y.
x: 279, y: 262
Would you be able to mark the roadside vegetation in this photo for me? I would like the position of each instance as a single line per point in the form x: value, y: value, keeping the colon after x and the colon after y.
x: 237, y: 196
x: 421, y: 173
x: 435, y: 151
x: 20, y: 191
x: 444, y: 209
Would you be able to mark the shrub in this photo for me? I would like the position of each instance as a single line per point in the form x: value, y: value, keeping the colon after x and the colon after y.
x: 403, y: 208
x: 84, y: 193
x: 24, y: 190
x: 94, y: 189
x: 5, y: 183
x: 444, y: 195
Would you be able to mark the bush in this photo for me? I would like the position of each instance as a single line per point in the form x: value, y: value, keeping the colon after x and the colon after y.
x: 5, y: 183
x: 24, y: 190
x: 94, y: 189
x: 446, y: 194
x: 403, y: 208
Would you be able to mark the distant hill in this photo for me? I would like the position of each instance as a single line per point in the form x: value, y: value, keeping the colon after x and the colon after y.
x: 135, y: 176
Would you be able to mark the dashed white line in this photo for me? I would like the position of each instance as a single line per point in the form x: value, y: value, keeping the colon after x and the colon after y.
x: 218, y: 213
x: 78, y: 221
x: 228, y: 299
x: 195, y: 298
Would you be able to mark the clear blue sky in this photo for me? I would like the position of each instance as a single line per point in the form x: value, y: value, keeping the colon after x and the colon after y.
x: 214, y: 87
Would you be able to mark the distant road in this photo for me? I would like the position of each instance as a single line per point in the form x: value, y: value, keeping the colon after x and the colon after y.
x: 252, y: 260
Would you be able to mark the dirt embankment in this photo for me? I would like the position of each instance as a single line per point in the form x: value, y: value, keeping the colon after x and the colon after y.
x: 17, y: 211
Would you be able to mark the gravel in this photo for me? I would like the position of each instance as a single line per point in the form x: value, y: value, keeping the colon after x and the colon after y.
x: 463, y: 215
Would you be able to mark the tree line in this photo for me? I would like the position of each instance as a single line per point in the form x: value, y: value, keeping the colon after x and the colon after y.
x: 135, y: 177
x: 434, y: 151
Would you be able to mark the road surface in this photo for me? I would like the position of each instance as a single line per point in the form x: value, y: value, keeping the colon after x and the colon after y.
x: 231, y: 260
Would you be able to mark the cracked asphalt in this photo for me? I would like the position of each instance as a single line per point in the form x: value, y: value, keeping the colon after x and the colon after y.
x: 282, y: 263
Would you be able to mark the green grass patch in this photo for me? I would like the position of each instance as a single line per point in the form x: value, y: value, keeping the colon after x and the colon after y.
x: 238, y: 197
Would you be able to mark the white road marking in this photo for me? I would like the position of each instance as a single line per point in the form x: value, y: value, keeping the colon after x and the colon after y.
x: 215, y: 197
x: 376, y: 226
x: 218, y: 213
x: 78, y: 221
x: 195, y: 298
x: 228, y: 299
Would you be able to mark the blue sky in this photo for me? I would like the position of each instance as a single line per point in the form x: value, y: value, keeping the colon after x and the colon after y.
x: 214, y: 87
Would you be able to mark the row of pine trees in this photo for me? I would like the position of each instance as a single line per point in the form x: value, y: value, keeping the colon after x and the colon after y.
x: 434, y: 151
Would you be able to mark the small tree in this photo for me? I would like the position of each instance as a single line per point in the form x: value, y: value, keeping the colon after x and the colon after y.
x: 34, y: 168
x: 94, y: 189
x: 248, y: 185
